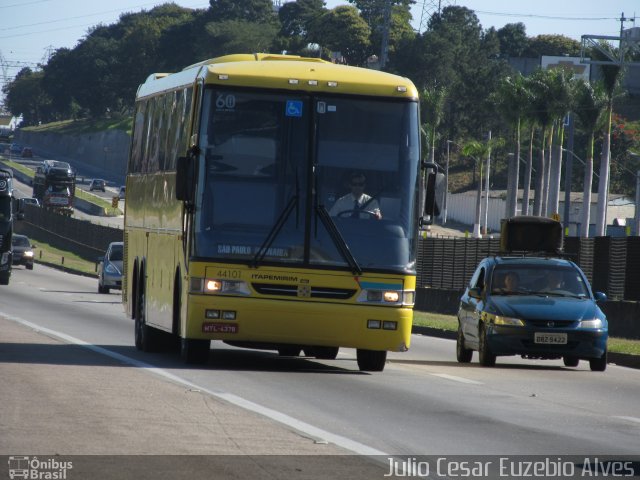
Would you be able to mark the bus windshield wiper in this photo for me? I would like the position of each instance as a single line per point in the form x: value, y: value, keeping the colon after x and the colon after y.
x: 338, y: 240
x: 264, y: 248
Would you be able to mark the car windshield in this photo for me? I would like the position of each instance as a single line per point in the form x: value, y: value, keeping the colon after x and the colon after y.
x: 538, y: 280
x: 20, y: 241
x: 116, y: 253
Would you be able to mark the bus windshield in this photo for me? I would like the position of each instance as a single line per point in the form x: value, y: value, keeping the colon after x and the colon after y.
x: 276, y: 171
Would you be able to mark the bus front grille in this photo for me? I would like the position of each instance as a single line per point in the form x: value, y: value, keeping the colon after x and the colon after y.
x: 303, y: 291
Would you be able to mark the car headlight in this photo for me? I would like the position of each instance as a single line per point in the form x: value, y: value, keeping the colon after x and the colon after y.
x: 218, y: 286
x: 595, y: 323
x: 28, y: 253
x: 514, y: 322
x: 390, y: 297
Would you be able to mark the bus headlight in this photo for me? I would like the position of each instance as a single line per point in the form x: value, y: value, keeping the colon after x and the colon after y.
x: 387, y: 297
x: 214, y: 286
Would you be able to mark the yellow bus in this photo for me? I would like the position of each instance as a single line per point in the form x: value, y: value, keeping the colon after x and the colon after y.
x: 238, y: 168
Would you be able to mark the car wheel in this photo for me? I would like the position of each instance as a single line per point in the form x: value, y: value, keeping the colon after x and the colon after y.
x: 29, y: 266
x: 571, y: 361
x: 463, y: 354
x: 371, y: 360
x: 486, y: 356
x: 598, y: 364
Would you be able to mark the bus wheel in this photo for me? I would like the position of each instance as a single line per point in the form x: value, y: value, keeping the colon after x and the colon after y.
x: 147, y: 339
x: 371, y: 360
x: 289, y: 351
x: 194, y: 350
x: 4, y: 279
x: 322, y: 353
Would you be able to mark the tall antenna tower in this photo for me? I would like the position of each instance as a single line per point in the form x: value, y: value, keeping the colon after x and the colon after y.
x: 429, y: 7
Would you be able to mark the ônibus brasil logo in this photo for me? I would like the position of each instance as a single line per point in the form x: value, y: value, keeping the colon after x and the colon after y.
x: 34, y: 468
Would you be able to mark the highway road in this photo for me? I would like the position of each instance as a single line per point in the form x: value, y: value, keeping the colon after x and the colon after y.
x: 424, y: 403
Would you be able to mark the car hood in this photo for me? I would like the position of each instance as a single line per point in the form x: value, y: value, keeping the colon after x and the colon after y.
x: 548, y: 308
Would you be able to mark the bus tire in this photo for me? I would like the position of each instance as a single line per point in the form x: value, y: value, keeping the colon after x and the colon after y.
x: 195, y: 351
x: 322, y: 353
x: 4, y: 279
x: 371, y: 360
x: 289, y: 351
x: 147, y: 339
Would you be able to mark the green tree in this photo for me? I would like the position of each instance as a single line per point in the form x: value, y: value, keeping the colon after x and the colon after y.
x: 235, y: 36
x: 513, y: 39
x: 552, y: 45
x: 25, y: 96
x: 343, y: 30
x: 453, y: 50
x: 296, y: 19
x: 258, y: 11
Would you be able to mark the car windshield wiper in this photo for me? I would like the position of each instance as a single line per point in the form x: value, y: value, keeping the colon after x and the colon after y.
x: 338, y: 239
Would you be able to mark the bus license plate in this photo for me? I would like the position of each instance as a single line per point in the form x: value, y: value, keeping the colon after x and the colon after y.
x: 550, y: 338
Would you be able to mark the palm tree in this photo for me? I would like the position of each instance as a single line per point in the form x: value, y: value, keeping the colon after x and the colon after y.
x: 513, y: 98
x: 539, y: 83
x: 611, y: 75
x: 432, y: 108
x: 479, y: 150
x: 560, y: 104
x: 591, y: 102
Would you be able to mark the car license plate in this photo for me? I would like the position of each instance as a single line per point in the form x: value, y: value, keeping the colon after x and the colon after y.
x: 550, y: 338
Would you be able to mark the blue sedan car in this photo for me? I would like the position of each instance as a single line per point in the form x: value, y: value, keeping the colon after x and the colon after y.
x: 536, y: 307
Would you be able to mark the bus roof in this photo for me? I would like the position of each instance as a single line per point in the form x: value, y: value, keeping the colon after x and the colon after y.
x: 284, y: 72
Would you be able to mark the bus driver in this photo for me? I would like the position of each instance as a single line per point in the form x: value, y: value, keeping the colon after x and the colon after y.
x: 356, y: 204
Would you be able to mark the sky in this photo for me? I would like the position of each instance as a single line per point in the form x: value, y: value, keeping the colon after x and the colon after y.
x: 31, y: 29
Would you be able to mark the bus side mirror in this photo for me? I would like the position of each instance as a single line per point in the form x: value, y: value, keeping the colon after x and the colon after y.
x: 185, y: 178
x: 433, y: 196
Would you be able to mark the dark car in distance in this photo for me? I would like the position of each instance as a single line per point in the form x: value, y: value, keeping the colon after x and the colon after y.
x: 22, y: 251
x: 97, y: 184
x: 27, y: 152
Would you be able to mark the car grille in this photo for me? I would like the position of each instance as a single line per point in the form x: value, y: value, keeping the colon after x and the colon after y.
x: 292, y: 291
x: 546, y: 323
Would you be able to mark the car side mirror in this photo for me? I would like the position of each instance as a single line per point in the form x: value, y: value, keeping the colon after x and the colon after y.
x: 475, y: 292
x: 600, y: 296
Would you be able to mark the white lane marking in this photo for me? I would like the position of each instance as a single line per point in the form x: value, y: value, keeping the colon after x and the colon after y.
x: 299, y: 425
x: 456, y: 379
x: 628, y: 419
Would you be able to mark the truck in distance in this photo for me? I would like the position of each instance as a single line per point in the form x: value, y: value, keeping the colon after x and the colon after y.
x: 54, y: 185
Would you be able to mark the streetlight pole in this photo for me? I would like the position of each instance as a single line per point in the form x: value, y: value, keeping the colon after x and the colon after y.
x: 446, y: 186
x: 636, y: 216
x: 487, y: 187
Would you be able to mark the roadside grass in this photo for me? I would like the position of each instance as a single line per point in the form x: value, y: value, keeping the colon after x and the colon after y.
x: 450, y: 323
x: 54, y: 257
x: 89, y: 197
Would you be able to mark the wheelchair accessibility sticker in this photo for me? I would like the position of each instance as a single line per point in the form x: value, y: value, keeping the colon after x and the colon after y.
x: 294, y: 108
